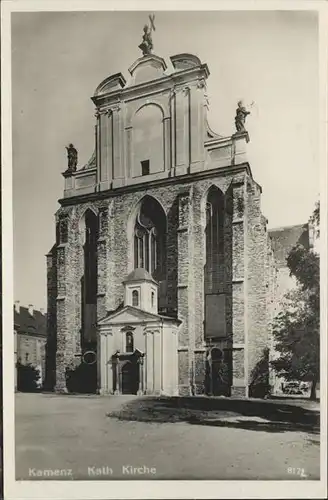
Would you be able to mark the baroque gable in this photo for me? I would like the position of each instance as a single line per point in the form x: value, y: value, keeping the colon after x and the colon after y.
x: 128, y: 315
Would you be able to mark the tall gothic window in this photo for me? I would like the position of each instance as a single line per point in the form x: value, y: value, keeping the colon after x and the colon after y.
x: 89, y: 279
x: 214, y: 271
x: 90, y: 256
x: 149, y: 238
x: 214, y: 235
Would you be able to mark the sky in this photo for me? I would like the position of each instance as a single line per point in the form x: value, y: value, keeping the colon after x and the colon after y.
x: 59, y: 58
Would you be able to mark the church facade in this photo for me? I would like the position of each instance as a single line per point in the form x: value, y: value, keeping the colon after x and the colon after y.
x: 162, y: 277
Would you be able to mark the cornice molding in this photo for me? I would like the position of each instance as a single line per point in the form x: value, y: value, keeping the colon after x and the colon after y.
x: 183, y: 179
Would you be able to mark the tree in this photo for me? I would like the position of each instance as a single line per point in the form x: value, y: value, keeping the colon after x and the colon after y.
x: 259, y: 386
x: 315, y: 218
x: 28, y: 377
x: 82, y: 379
x: 296, y: 329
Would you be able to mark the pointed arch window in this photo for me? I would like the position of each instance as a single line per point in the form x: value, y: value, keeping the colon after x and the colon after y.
x: 149, y: 238
x: 215, y: 265
x: 214, y: 236
x: 90, y: 256
x: 89, y: 225
x: 209, y: 233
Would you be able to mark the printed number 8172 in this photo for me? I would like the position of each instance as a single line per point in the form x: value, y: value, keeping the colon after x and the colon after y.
x: 296, y: 471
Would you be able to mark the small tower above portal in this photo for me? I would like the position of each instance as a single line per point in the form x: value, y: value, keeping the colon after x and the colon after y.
x: 141, y: 291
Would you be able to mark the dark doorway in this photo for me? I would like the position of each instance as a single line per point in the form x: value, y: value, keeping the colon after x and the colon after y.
x: 218, y: 377
x: 130, y: 377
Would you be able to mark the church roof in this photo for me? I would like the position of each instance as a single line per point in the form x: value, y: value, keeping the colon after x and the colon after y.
x: 139, y: 274
x: 285, y: 238
x: 30, y: 325
x: 91, y: 163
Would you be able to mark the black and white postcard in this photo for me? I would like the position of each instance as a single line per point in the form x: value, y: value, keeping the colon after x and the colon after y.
x: 164, y: 249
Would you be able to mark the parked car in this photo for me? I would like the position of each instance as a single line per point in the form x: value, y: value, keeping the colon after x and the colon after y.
x: 292, y: 388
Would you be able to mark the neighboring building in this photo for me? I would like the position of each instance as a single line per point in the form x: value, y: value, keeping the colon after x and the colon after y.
x: 163, y: 193
x: 30, y: 336
x: 283, y: 239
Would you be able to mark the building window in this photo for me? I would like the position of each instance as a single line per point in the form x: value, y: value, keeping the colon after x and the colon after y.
x: 135, y: 298
x: 149, y: 239
x: 129, y: 341
x: 214, y: 237
x: 145, y: 167
x: 152, y: 299
x: 215, y: 270
x: 89, y: 280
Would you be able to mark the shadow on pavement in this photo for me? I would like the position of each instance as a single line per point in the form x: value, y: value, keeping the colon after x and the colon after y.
x: 256, y: 415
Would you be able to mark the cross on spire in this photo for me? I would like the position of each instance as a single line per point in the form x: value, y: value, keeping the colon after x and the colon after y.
x: 152, y: 22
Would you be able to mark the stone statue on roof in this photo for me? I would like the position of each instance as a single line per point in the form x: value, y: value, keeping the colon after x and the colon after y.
x: 147, y: 42
x: 71, y: 158
x: 240, y: 117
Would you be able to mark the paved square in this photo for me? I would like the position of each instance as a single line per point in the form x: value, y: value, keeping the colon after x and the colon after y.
x: 125, y: 437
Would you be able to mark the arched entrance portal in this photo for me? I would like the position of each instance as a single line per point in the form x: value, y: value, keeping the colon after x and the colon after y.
x: 130, y: 376
x: 128, y: 372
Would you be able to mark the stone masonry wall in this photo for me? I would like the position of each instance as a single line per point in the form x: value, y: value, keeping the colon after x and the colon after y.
x: 239, y: 285
x: 185, y: 288
x: 70, y: 269
x: 51, y: 344
x: 271, y: 303
x: 65, y: 310
x: 185, y: 284
x: 257, y: 281
x: 198, y: 351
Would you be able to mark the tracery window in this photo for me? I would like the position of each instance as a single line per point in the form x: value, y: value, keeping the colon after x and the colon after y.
x: 89, y: 280
x: 214, y: 236
x: 209, y: 233
x: 215, y: 265
x: 149, y: 238
x: 90, y: 257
